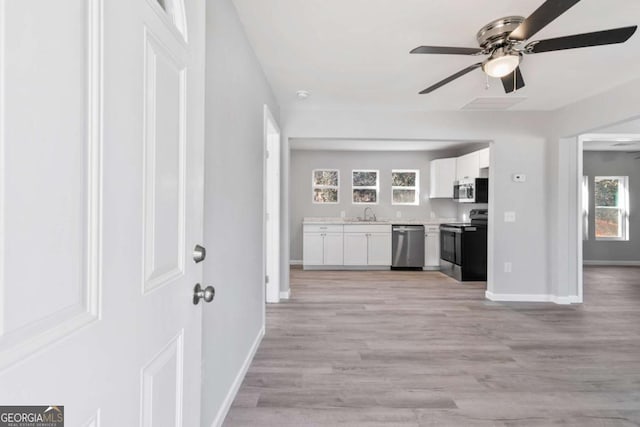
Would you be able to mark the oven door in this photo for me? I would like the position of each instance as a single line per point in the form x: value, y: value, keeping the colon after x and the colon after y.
x: 451, y: 244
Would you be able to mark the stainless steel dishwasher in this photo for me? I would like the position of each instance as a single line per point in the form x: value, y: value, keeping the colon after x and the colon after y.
x: 407, y: 246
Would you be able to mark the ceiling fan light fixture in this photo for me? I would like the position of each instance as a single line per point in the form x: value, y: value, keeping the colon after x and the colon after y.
x: 501, y: 64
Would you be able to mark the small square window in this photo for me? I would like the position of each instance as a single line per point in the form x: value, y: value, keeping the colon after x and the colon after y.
x: 326, y: 185
x: 405, y: 187
x: 365, y: 187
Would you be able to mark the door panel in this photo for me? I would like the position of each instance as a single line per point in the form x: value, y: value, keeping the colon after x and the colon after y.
x: 333, y: 248
x: 101, y: 177
x: 379, y: 245
x: 355, y: 249
x: 313, y: 249
x: 164, y: 165
x: 49, y: 214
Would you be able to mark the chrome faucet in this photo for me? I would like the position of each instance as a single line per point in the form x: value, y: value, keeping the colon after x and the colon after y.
x: 366, y: 218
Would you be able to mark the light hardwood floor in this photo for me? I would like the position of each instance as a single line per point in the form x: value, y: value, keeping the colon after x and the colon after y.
x: 419, y: 349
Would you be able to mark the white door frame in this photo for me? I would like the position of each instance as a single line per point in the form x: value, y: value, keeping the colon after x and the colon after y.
x: 613, y: 137
x: 271, y: 209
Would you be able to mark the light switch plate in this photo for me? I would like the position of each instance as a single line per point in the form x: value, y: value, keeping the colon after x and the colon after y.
x: 509, y: 217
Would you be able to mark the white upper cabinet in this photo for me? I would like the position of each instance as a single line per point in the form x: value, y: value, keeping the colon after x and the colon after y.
x: 443, y: 173
x: 483, y: 158
x: 468, y: 166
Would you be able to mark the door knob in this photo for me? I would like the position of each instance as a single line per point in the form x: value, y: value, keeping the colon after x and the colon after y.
x: 199, y: 254
x: 207, y: 294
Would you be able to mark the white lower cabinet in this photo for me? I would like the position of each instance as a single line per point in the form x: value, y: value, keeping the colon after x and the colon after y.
x: 431, y: 247
x: 367, y: 244
x: 355, y: 248
x: 379, y: 249
x: 333, y: 249
x: 322, y: 245
x: 313, y: 249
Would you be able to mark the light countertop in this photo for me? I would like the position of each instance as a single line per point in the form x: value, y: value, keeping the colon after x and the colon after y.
x: 403, y: 221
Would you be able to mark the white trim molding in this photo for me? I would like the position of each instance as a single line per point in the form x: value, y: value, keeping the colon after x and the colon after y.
x: 611, y: 263
x: 574, y: 299
x: 285, y: 294
x: 295, y: 262
x: 237, y: 382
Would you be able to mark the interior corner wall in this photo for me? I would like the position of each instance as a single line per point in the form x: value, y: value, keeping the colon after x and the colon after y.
x: 236, y: 92
x: 610, y: 163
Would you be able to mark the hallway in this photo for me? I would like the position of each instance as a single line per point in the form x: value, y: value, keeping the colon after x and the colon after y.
x: 419, y: 349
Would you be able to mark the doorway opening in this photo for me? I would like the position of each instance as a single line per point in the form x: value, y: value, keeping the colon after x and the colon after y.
x: 607, y: 164
x: 271, y: 207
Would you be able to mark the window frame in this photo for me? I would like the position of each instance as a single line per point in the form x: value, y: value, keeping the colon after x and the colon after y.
x: 315, y: 186
x: 366, y: 187
x: 415, y: 188
x: 623, y: 207
x: 586, y: 200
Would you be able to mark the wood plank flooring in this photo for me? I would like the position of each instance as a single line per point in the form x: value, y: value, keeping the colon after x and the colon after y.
x: 419, y: 349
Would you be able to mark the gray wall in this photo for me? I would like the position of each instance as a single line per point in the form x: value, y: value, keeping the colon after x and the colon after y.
x: 518, y: 146
x: 233, y: 229
x: 608, y: 163
x: 303, y: 162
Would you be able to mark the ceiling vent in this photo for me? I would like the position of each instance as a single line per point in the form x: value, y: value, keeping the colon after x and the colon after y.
x: 495, y: 103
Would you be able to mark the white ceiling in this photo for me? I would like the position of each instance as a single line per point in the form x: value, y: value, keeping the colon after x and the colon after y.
x: 339, y: 144
x: 355, y: 53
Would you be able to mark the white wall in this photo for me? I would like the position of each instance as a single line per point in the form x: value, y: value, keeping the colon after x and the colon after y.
x: 303, y: 162
x: 612, y: 163
x: 519, y: 145
x: 235, y: 94
x: 604, y: 110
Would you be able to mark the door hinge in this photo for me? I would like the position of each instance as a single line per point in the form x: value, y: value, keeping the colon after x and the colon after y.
x: 266, y: 279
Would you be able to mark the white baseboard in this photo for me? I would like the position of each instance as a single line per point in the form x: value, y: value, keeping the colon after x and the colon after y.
x: 295, y: 262
x: 613, y: 263
x: 237, y: 382
x: 574, y: 299
x: 285, y: 294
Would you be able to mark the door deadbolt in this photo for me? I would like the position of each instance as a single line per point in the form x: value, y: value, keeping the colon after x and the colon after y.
x: 207, y: 294
x: 199, y: 254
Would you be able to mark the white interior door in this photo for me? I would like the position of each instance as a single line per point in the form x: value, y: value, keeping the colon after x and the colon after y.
x: 101, y: 140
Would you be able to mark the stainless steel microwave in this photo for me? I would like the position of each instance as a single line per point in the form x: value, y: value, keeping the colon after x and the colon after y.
x: 471, y: 190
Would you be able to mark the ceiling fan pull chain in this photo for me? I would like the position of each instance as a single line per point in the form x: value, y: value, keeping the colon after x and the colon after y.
x: 486, y: 85
x: 515, y: 78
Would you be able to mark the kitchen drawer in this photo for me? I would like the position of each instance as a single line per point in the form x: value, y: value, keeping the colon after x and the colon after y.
x: 367, y: 228
x: 432, y: 228
x: 318, y: 228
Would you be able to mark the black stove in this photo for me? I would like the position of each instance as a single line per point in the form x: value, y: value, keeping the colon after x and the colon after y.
x: 463, y: 247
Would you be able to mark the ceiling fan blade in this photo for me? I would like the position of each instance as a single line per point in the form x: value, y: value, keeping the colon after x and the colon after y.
x: 539, y: 19
x: 446, y: 50
x: 598, y: 38
x: 513, y: 81
x: 451, y: 78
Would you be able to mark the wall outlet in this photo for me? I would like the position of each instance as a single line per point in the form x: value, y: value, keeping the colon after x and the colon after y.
x: 432, y: 215
x: 509, y: 217
x: 398, y: 214
x: 507, y: 267
x: 519, y: 177
x: 343, y: 214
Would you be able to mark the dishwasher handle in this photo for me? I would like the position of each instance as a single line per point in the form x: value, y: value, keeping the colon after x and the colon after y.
x: 408, y: 228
